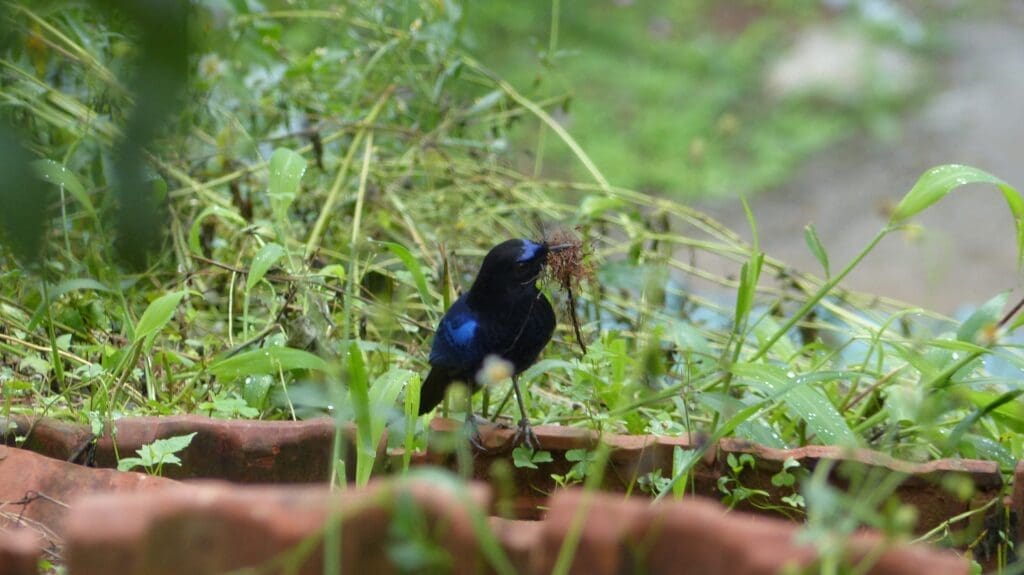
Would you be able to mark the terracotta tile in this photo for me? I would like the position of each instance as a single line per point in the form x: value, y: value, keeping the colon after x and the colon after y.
x: 698, y: 536
x: 243, y: 451
x: 520, y: 540
x: 923, y: 488
x: 19, y: 551
x: 291, y: 452
x: 50, y: 437
x: 36, y: 492
x: 213, y: 528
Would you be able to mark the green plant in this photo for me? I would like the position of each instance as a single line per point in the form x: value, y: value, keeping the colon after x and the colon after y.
x: 787, y: 478
x: 154, y: 456
x: 733, y: 490
x: 523, y: 456
x: 581, y: 460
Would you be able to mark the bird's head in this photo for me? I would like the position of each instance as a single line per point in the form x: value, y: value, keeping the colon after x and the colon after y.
x: 514, y: 264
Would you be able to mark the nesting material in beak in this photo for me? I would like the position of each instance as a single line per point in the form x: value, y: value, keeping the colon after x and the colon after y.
x: 565, y: 263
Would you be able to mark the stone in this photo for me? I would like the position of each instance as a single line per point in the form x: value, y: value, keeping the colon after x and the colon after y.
x: 842, y: 65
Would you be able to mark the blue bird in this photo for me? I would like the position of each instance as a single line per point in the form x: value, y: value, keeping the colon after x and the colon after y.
x: 503, y: 314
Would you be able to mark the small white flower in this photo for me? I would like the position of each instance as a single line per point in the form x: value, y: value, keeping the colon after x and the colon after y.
x: 494, y: 370
x: 211, y: 67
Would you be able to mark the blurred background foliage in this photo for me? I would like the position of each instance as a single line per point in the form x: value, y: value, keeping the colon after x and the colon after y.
x: 676, y: 97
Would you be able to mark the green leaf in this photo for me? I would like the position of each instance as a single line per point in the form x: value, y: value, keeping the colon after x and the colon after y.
x: 412, y: 412
x: 359, y: 393
x: 383, y: 395
x: 987, y: 315
x: 957, y: 434
x: 62, y: 177
x: 802, y: 400
x: 547, y: 365
x: 755, y: 429
x: 750, y: 274
x: 160, y: 452
x: 264, y: 260
x: 96, y: 424
x: 939, y: 181
x: 814, y: 244
x: 486, y: 102
x: 414, y: 267
x: 64, y: 287
x: 576, y: 454
x: 593, y: 206
x: 255, y: 391
x: 521, y: 457
x: 129, y: 463
x: 767, y: 327
x: 333, y: 271
x: 783, y: 479
x: 266, y: 360
x: 524, y: 457
x: 543, y: 457
x: 1009, y: 413
x: 171, y: 445
x: 286, y: 170
x: 687, y: 336
x: 157, y: 315
x: 193, y: 232
x: 230, y: 407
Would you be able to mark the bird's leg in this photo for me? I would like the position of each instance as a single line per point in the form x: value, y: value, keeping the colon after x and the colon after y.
x: 497, y: 412
x: 472, y: 429
x: 524, y: 434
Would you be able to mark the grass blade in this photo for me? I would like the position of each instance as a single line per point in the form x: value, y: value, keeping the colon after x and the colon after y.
x: 157, y: 315
x: 267, y: 360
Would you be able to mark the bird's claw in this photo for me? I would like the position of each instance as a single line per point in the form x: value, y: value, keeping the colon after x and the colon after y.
x: 525, y: 435
x: 473, y: 434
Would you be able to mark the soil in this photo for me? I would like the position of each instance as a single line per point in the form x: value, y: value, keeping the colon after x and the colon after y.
x: 966, y: 252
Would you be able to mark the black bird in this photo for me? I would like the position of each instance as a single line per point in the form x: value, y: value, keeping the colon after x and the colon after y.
x: 503, y: 314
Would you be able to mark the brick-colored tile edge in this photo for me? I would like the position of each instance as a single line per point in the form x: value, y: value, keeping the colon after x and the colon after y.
x: 215, y: 528
x: 698, y: 536
x: 294, y: 452
x: 635, y: 456
x: 243, y: 451
x: 36, y: 492
x: 249, y: 451
x: 19, y: 551
x: 923, y: 487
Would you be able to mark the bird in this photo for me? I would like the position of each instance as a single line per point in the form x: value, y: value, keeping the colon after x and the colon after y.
x: 504, y: 315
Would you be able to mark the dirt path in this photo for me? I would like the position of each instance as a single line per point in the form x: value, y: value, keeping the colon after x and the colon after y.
x: 966, y: 253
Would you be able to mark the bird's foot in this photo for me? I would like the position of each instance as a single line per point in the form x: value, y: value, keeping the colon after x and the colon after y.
x: 525, y: 435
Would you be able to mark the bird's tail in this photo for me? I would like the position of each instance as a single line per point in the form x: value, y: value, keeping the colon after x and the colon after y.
x: 433, y: 388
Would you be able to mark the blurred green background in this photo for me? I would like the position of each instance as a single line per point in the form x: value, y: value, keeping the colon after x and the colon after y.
x: 674, y: 96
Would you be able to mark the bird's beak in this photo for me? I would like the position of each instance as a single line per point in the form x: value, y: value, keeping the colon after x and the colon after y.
x: 559, y: 247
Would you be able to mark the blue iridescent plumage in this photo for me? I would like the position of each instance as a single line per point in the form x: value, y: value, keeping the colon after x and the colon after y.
x: 454, y: 343
x: 529, y: 251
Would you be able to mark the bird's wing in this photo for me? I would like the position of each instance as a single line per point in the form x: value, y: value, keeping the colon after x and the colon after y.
x: 457, y: 341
